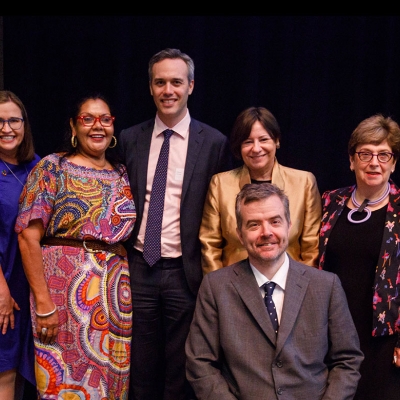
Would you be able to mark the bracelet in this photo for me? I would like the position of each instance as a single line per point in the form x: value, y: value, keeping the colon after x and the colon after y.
x: 47, y: 314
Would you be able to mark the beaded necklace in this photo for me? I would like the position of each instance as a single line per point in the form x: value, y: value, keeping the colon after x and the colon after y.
x: 364, y: 205
x: 15, y: 176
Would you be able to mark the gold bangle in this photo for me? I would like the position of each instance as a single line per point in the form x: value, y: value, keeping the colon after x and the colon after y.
x: 46, y: 314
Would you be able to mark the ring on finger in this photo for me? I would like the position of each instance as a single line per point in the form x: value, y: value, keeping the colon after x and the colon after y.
x: 44, y: 331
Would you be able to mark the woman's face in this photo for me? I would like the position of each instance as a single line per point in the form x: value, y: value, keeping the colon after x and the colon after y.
x: 259, y: 149
x: 10, y: 138
x: 372, y: 173
x: 93, y: 140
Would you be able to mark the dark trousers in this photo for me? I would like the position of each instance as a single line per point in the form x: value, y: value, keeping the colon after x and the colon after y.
x: 163, y: 307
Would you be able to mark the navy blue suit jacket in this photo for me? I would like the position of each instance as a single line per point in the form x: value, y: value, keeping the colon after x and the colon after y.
x: 208, y: 153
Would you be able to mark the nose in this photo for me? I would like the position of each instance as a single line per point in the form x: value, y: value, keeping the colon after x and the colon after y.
x: 6, y: 127
x: 266, y: 229
x: 168, y: 88
x: 256, y: 146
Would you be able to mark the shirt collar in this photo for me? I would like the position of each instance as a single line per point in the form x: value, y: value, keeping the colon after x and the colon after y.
x: 181, y: 128
x: 279, y: 278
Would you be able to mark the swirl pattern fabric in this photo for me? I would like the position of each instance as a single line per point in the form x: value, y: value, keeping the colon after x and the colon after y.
x: 91, y: 355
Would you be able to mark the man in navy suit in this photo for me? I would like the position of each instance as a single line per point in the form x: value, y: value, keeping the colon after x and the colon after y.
x: 164, y: 294
x: 234, y: 351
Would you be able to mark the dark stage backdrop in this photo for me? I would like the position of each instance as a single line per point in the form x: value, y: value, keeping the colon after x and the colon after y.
x: 319, y: 75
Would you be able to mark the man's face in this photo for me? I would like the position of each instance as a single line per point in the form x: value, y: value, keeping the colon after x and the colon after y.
x: 170, y: 89
x: 265, y: 231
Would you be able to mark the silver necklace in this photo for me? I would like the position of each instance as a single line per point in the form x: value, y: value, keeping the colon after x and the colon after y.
x: 15, y: 176
x: 364, y: 206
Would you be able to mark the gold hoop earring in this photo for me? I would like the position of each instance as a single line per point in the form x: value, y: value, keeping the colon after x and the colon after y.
x: 74, y: 141
x: 115, y: 143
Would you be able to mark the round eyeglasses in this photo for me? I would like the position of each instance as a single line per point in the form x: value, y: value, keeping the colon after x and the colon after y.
x: 105, y: 120
x: 13, y: 123
x: 366, y: 156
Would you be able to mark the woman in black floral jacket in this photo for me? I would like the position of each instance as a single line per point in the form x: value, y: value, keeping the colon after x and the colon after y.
x: 360, y: 241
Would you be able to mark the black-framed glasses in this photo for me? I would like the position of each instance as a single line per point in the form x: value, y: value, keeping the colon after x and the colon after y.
x: 366, y: 156
x: 13, y: 123
x: 89, y: 120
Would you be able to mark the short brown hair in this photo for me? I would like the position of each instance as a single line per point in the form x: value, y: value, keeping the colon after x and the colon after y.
x: 256, y: 192
x: 244, y: 123
x: 375, y: 130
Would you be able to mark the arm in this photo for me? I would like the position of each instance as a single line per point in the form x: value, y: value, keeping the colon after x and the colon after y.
x: 312, y: 219
x: 32, y: 259
x: 210, y: 231
x: 7, y: 305
x: 203, y: 365
x: 344, y: 357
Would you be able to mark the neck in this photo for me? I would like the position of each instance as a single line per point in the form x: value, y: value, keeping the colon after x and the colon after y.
x: 10, y: 158
x: 268, y: 267
x: 90, y: 161
x: 172, y: 120
x: 261, y: 175
x: 370, y: 193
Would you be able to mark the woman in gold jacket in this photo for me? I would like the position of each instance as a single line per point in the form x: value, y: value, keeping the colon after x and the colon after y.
x: 254, y: 139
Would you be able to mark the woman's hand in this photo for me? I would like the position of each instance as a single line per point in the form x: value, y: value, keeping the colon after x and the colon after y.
x: 7, y: 305
x: 47, y: 328
x: 396, y: 357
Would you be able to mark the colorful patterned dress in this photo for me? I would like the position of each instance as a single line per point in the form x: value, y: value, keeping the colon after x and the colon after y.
x: 90, y: 358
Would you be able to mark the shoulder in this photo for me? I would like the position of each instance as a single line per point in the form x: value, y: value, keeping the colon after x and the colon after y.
x: 228, y: 177
x: 136, y: 129
x: 297, y: 173
x: 343, y: 191
x: 312, y: 273
x: 209, y: 131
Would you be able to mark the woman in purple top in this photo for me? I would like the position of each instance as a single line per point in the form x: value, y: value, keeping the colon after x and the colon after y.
x: 17, y: 158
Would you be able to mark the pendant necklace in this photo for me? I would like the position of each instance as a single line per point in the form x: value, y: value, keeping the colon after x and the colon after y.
x: 364, y: 206
x: 15, y: 176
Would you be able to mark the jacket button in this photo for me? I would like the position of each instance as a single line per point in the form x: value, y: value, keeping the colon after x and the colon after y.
x: 279, y: 364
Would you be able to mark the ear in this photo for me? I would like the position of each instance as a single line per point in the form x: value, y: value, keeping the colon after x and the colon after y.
x: 351, y: 158
x: 71, y: 124
x: 239, y: 234
x: 151, y: 89
x: 191, y: 86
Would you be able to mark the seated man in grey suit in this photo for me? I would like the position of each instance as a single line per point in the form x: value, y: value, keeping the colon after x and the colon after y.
x: 233, y: 350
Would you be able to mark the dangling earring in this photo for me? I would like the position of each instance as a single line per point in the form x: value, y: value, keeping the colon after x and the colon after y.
x: 74, y: 141
x: 115, y: 143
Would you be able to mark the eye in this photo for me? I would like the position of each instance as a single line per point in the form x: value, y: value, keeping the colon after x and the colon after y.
x: 106, y: 120
x: 88, y: 119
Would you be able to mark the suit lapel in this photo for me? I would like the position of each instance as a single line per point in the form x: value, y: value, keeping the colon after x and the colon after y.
x: 143, y: 151
x: 193, y: 152
x: 247, y: 288
x: 296, y: 287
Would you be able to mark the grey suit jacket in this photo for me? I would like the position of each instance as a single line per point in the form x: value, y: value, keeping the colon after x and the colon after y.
x: 208, y: 153
x: 233, y: 352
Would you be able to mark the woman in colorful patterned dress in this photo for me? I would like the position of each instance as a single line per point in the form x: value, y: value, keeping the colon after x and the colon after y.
x: 17, y: 158
x: 75, y: 212
x: 360, y: 242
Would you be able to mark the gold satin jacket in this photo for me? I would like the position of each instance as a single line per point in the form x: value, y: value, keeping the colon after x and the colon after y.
x: 220, y: 245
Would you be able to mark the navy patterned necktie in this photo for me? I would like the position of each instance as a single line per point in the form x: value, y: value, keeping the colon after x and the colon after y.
x: 269, y: 303
x: 152, y: 237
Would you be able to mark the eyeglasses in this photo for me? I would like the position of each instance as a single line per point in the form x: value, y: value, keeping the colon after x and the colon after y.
x: 383, y: 157
x: 88, y: 120
x: 13, y: 123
